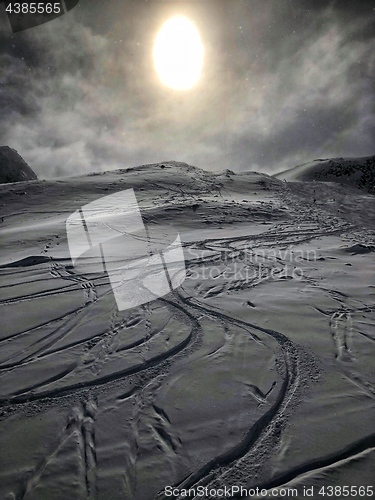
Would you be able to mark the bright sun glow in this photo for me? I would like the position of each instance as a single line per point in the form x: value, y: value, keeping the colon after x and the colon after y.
x: 178, y: 54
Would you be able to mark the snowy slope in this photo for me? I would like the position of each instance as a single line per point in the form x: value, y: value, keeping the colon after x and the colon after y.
x: 256, y: 371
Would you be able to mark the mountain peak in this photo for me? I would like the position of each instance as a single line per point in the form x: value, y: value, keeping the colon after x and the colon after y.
x: 13, y: 167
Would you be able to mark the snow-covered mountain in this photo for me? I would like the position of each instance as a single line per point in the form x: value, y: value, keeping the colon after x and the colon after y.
x: 359, y: 172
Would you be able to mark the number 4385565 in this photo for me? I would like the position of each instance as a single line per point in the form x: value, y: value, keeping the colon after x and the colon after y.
x: 33, y: 8
x: 346, y: 491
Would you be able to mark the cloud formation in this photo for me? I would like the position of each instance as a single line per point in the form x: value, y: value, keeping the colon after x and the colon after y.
x: 282, y: 84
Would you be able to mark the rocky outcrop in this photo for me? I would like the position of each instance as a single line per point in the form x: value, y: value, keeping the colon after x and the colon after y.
x: 13, y: 167
x: 360, y: 171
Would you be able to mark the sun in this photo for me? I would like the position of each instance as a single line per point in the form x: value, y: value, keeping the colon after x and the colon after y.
x: 178, y: 54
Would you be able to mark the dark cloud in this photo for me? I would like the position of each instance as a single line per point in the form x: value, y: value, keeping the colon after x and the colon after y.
x: 283, y: 83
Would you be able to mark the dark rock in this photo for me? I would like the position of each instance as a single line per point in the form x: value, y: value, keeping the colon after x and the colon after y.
x: 360, y: 248
x: 13, y: 167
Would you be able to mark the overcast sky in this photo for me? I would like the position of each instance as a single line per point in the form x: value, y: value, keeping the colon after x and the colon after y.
x: 283, y: 82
